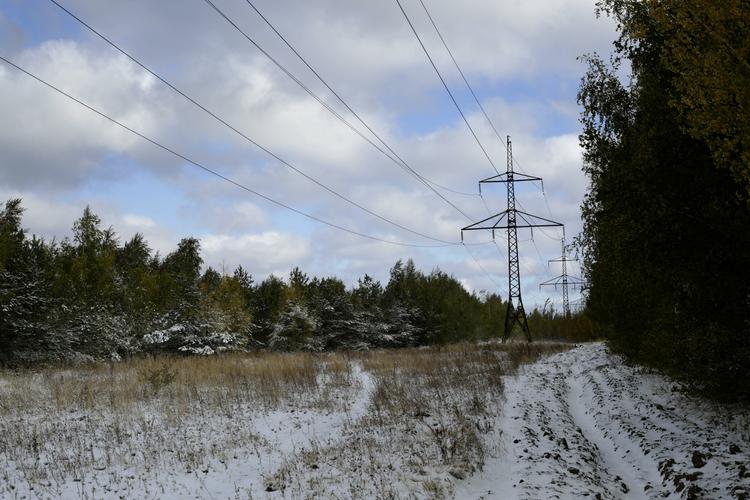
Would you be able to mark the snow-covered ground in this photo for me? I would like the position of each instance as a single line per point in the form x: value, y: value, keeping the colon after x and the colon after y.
x: 385, y: 423
x: 435, y: 423
x: 584, y: 424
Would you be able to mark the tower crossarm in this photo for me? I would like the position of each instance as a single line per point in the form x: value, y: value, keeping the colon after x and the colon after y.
x: 536, y: 221
x: 559, y: 280
x: 510, y: 220
x: 517, y: 177
x: 503, y: 220
x: 564, y: 259
x: 510, y: 177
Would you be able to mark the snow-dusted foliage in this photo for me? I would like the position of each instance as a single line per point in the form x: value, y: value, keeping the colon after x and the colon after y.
x: 92, y: 297
x: 403, y: 329
x: 295, y: 330
x: 24, y: 333
x: 97, y: 332
x: 373, y: 329
x: 357, y: 332
x: 202, y: 338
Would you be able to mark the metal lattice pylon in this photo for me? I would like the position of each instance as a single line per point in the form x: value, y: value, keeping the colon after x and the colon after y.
x: 564, y: 280
x: 510, y: 220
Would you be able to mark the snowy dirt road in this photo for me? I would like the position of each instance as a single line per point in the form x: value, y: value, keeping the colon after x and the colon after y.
x: 583, y: 424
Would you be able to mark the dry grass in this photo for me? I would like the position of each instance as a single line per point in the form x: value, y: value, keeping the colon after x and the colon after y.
x: 425, y: 415
x: 267, y: 379
x: 151, y: 414
x: 432, y: 419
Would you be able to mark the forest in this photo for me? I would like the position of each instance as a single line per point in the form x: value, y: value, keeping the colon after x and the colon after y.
x: 95, y: 298
x: 666, y: 240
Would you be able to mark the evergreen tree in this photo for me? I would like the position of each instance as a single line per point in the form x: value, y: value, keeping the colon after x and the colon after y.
x: 368, y: 294
x: 181, y: 270
x: 93, y: 298
x: 268, y: 300
x: 245, y: 281
x: 295, y: 329
x: 12, y: 236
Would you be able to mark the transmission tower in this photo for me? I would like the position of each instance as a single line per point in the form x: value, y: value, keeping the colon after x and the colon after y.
x: 510, y: 220
x: 564, y: 280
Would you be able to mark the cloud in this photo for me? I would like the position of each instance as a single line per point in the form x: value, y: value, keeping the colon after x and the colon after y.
x: 521, y: 57
x: 48, y: 140
x: 43, y: 216
x: 491, y: 265
x: 262, y: 253
x: 138, y: 222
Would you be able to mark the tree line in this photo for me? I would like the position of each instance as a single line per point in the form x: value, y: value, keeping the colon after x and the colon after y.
x: 666, y: 239
x: 95, y: 297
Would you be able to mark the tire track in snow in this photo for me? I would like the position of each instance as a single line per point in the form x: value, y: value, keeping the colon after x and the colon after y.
x: 632, y: 480
x: 582, y: 423
x: 697, y: 446
x: 547, y: 455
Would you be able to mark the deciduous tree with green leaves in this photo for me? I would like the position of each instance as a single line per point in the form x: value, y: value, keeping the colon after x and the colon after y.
x: 666, y: 243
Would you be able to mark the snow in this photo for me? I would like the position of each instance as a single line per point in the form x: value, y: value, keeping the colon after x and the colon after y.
x: 581, y: 423
x: 584, y: 423
x: 236, y: 454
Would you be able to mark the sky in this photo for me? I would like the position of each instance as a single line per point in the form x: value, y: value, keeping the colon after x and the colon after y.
x: 519, y: 56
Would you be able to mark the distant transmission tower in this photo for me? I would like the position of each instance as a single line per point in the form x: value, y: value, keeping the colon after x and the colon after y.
x: 512, y: 219
x: 564, y: 280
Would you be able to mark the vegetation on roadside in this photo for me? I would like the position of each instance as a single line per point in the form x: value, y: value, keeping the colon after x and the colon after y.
x: 666, y: 239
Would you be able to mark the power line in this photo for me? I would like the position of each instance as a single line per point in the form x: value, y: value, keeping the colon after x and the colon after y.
x: 460, y: 71
x: 242, y: 134
x: 325, y: 105
x: 545, y: 233
x: 447, y: 89
x: 398, y: 161
x: 401, y: 162
x: 296, y: 80
x: 211, y: 171
x: 476, y: 99
x: 455, y: 103
x: 466, y: 80
x: 489, y: 276
x: 541, y: 259
x: 458, y: 107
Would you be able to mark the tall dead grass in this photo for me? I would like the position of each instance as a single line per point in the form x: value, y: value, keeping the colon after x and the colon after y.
x: 432, y: 418
x: 457, y: 386
x: 267, y: 379
x: 423, y: 408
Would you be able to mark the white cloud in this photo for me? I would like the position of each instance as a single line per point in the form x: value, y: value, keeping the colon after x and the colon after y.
x: 53, y: 150
x: 48, y: 140
x: 138, y: 222
x: 262, y: 253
